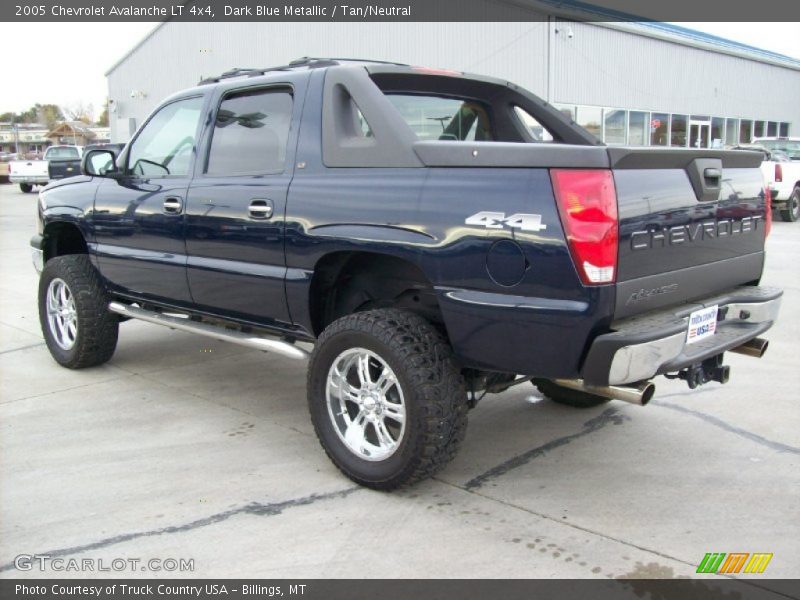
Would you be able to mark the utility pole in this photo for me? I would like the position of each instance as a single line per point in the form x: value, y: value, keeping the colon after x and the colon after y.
x: 15, y: 128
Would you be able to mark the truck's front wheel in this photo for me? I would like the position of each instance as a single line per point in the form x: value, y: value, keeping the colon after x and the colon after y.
x: 73, y: 311
x: 386, y: 398
x: 792, y: 210
x: 567, y: 396
x: 26, y: 188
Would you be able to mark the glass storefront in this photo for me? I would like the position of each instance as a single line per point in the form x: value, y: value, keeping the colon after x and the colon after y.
x: 644, y: 128
x: 731, y: 131
x: 638, y: 128
x: 678, y: 130
x: 615, y: 126
x: 746, y: 132
x: 717, y: 132
x: 659, y: 129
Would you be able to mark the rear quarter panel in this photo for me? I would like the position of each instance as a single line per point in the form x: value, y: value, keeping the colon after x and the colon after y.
x: 538, y: 326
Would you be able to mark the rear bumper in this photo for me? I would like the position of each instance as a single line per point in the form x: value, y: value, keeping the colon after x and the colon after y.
x: 32, y: 179
x: 654, y: 343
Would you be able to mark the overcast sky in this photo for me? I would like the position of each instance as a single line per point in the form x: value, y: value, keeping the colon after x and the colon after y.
x: 35, y: 68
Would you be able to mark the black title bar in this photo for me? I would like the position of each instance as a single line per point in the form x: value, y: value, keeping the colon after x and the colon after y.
x: 394, y: 10
x: 356, y: 589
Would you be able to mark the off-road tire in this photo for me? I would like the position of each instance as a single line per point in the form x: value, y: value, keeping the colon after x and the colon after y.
x: 26, y: 188
x: 567, y: 396
x: 432, y: 385
x: 97, y: 329
x: 792, y: 211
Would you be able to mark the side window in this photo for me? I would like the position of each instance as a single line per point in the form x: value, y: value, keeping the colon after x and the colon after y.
x: 251, y: 133
x: 536, y: 129
x: 165, y: 145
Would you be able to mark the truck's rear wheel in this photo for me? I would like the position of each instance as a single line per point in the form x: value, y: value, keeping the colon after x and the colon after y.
x: 792, y: 210
x: 26, y: 188
x: 73, y: 311
x: 567, y: 396
x: 386, y: 398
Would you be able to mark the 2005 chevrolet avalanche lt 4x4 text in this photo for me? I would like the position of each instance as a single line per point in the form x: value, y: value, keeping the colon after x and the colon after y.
x: 435, y: 236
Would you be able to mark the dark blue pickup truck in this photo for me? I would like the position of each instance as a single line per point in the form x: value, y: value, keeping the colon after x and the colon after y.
x: 435, y: 236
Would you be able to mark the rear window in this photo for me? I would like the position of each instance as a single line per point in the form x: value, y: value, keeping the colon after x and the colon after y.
x: 442, y: 118
x: 789, y: 147
x: 62, y: 153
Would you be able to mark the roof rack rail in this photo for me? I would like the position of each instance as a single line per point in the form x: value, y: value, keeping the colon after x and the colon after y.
x: 305, y: 61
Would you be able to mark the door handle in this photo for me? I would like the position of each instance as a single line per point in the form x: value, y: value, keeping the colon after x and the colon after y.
x: 260, y: 209
x: 172, y: 205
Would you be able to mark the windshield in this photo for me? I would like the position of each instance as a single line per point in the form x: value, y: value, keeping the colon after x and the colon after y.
x: 790, y: 147
x: 62, y: 152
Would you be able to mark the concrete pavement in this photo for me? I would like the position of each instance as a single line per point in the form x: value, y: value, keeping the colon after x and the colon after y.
x: 187, y: 448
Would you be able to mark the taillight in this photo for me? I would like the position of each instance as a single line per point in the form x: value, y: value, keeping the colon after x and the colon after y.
x: 778, y: 172
x: 587, y: 201
x: 768, y: 209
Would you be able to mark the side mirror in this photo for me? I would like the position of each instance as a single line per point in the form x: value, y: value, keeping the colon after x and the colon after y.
x: 99, y: 163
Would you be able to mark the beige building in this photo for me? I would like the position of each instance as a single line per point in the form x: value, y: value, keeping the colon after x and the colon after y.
x: 33, y: 140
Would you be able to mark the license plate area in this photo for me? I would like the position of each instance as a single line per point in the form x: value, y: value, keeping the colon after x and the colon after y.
x: 702, y: 324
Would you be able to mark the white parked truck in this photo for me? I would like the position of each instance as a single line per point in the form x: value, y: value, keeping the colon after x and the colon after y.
x: 28, y: 173
x: 781, y: 171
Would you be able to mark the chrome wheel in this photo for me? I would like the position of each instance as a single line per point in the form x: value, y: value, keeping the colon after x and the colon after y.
x: 366, y: 404
x: 62, y: 316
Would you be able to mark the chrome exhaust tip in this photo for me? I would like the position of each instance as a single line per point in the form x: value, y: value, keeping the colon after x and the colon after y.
x: 639, y: 394
x: 756, y: 347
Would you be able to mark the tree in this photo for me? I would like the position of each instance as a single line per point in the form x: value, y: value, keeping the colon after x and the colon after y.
x: 102, y: 120
x: 79, y: 111
x: 49, y: 115
x: 45, y: 114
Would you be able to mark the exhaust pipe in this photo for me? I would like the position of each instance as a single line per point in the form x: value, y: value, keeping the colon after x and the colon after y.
x: 640, y: 394
x: 755, y: 347
x: 180, y: 322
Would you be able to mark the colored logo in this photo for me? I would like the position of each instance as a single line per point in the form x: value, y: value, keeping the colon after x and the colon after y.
x: 735, y: 562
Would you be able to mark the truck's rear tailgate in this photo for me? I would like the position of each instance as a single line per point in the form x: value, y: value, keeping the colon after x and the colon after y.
x: 691, y: 223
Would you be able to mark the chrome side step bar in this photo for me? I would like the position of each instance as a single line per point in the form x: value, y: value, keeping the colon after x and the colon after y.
x: 212, y: 331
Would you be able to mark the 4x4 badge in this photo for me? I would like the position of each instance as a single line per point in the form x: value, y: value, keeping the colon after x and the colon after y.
x: 498, y: 220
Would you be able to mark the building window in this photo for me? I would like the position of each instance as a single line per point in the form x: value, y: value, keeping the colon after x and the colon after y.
x: 591, y: 119
x: 615, y: 121
x: 638, y: 128
x: 784, y: 130
x: 759, y: 129
x: 659, y: 129
x: 746, y: 132
x: 772, y: 129
x: 731, y: 132
x: 678, y: 131
x: 717, y: 132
